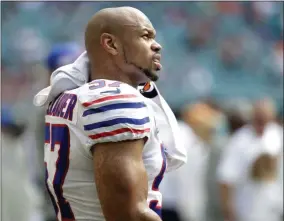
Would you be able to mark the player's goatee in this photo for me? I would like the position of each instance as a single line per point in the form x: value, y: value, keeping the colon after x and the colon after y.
x: 151, y: 76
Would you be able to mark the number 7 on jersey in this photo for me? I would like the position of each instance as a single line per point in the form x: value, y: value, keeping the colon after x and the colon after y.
x: 57, y: 147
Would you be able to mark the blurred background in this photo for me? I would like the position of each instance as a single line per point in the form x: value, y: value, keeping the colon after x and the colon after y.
x: 222, y: 75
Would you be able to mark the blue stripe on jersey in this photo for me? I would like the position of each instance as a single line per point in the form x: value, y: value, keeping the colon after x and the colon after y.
x: 115, y: 121
x: 113, y: 107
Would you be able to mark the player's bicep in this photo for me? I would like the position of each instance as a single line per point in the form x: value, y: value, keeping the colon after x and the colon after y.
x: 120, y: 178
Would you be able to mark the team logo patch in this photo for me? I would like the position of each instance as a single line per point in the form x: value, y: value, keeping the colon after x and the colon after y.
x: 147, y: 86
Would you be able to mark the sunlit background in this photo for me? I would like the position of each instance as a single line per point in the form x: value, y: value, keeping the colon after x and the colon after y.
x: 218, y: 58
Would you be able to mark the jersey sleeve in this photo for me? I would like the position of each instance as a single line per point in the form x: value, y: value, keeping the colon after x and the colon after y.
x: 113, y: 117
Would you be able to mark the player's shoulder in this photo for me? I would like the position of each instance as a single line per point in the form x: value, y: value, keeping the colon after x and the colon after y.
x: 112, y: 111
x: 106, y: 91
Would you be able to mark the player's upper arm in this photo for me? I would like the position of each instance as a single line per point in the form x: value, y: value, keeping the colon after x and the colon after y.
x: 117, y: 123
x: 121, y: 181
x: 113, y: 117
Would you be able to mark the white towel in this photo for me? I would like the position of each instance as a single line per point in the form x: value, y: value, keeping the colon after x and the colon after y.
x: 67, y: 77
x: 77, y: 74
x: 168, y: 129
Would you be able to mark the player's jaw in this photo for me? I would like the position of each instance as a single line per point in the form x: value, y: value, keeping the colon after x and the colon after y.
x: 153, y: 76
x: 156, y: 66
x: 151, y: 70
x: 146, y: 62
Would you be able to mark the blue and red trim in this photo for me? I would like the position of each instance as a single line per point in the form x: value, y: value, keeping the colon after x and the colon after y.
x: 118, y: 131
x: 114, y: 97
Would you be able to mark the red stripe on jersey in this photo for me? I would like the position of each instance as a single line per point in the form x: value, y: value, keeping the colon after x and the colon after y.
x: 87, y: 104
x: 118, y: 131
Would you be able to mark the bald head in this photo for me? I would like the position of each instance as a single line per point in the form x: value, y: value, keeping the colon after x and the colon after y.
x: 114, y: 21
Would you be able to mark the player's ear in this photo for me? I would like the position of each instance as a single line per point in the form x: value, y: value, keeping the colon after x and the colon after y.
x: 109, y: 43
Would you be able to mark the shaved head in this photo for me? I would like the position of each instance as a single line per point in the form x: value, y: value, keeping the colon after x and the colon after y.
x: 113, y: 20
x: 122, y: 39
x: 116, y: 21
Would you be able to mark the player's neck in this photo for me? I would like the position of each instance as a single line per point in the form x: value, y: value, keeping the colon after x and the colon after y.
x: 111, y: 74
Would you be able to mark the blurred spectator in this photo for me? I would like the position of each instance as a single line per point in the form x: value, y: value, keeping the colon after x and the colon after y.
x: 198, y: 130
x: 248, y: 171
x: 238, y: 113
x: 20, y: 197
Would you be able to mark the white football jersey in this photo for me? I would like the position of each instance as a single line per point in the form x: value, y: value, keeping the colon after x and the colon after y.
x: 97, y: 112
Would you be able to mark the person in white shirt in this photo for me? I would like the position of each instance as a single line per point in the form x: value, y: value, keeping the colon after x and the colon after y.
x: 248, y: 170
x: 185, y: 193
